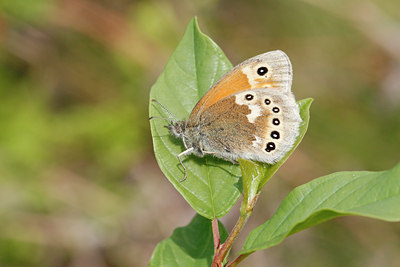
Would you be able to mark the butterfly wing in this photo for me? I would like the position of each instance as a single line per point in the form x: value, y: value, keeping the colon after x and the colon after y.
x: 269, y: 70
x: 277, y: 119
x: 258, y: 124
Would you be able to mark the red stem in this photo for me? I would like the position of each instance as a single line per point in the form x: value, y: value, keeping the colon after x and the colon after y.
x: 222, y: 250
x: 216, y: 237
x: 238, y: 259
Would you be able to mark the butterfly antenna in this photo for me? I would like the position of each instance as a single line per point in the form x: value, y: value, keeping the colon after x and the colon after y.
x: 164, y: 108
x: 167, y: 119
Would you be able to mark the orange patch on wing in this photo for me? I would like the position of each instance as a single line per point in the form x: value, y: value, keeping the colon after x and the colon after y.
x: 231, y: 83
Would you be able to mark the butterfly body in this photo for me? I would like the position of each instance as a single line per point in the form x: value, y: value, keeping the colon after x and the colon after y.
x: 249, y: 113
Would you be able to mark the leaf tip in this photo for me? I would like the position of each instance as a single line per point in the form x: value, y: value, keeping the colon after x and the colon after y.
x: 306, y: 102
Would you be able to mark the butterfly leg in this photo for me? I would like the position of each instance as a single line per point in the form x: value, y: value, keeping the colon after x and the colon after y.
x: 186, y: 152
x: 231, y: 160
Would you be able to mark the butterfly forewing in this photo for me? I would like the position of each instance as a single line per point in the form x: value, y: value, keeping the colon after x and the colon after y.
x: 268, y: 70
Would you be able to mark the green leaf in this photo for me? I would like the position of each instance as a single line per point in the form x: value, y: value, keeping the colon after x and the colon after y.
x: 191, y: 245
x: 257, y: 174
x: 212, y: 186
x: 362, y: 193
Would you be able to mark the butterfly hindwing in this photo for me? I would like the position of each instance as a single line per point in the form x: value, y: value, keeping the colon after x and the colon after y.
x: 259, y: 124
x: 276, y: 119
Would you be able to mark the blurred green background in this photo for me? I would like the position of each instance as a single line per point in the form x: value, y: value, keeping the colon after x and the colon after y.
x: 79, y: 185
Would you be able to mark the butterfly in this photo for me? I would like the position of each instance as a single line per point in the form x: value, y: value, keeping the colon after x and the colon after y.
x: 250, y: 113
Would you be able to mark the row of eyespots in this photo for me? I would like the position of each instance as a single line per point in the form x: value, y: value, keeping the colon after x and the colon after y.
x: 275, y: 134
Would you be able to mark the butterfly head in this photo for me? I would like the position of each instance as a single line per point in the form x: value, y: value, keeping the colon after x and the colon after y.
x: 192, y: 137
x: 177, y: 128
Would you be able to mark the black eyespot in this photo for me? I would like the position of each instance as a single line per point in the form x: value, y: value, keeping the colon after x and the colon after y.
x: 262, y: 71
x: 275, y: 134
x: 267, y: 101
x: 249, y: 97
x: 275, y: 109
x: 270, y: 147
x: 276, y: 121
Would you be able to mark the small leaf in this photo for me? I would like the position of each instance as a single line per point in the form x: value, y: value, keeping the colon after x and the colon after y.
x: 191, y: 245
x: 252, y: 175
x: 212, y: 185
x: 362, y: 193
x: 257, y: 174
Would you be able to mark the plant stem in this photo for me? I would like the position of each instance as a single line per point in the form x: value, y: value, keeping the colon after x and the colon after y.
x: 238, y: 259
x: 216, y: 237
x: 232, y: 237
x: 245, y: 211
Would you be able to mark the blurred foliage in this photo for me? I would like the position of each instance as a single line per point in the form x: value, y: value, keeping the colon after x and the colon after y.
x: 78, y: 182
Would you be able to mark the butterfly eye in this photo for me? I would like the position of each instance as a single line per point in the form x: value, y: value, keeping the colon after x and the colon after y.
x: 270, y: 147
x: 249, y: 97
x: 275, y: 134
x: 262, y: 71
x: 275, y: 109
